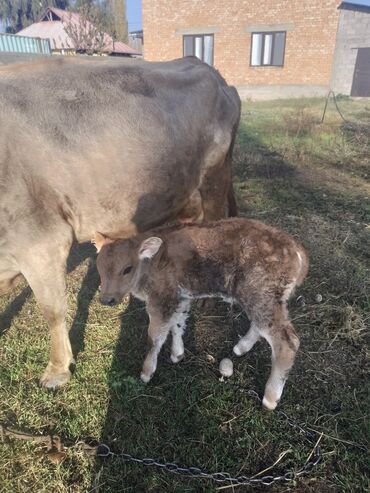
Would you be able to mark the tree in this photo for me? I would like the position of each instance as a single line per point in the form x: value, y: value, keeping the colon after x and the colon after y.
x: 110, y: 15
x: 113, y: 18
x: 18, y: 14
x: 121, y: 27
x: 100, y: 22
x: 87, y: 34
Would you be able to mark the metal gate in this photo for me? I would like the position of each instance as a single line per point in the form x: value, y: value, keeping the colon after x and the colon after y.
x: 361, y: 76
x: 12, y: 43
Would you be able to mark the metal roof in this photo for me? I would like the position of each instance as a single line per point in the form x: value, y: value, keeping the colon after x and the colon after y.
x: 59, y: 39
x: 361, y: 5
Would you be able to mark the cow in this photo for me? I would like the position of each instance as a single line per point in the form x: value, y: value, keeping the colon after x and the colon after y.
x: 239, y: 260
x: 113, y: 146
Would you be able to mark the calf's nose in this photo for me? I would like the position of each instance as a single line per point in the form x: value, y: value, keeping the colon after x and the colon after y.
x: 108, y: 300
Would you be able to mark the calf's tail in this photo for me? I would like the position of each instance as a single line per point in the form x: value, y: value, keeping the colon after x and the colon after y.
x: 304, y: 264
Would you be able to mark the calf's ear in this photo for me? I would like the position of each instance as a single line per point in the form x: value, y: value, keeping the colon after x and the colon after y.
x: 149, y: 247
x: 100, y: 240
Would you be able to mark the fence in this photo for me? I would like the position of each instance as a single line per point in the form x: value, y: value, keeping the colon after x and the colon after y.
x: 23, y: 44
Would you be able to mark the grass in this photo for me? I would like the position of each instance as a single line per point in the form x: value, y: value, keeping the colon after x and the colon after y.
x: 310, y: 179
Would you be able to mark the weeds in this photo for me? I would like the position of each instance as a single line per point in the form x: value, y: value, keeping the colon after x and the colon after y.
x: 300, y: 123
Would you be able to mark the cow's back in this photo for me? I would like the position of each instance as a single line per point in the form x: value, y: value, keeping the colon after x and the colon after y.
x: 119, y: 144
x: 68, y: 100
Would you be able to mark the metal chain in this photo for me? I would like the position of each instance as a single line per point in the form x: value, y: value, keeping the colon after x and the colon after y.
x: 332, y: 93
x: 104, y: 451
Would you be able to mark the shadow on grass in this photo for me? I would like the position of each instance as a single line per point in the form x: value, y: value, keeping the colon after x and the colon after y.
x: 86, y: 293
x: 13, y: 309
x: 78, y: 254
x: 286, y: 187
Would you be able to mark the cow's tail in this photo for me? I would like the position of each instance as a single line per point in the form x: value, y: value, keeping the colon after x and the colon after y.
x: 231, y: 202
x: 233, y: 95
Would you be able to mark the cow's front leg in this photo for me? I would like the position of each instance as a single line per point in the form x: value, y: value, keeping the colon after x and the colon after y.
x: 57, y: 371
x: 45, y: 271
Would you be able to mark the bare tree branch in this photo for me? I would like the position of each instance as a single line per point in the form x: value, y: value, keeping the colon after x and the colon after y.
x: 86, y: 30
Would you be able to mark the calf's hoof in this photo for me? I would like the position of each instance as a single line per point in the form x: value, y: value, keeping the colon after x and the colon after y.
x: 269, y: 405
x: 243, y: 347
x: 145, y: 378
x: 53, y: 379
x: 237, y: 351
x: 176, y: 358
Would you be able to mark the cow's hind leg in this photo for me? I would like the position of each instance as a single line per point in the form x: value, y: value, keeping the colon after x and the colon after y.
x: 214, y: 191
x: 218, y: 199
x: 193, y: 210
x: 45, y: 270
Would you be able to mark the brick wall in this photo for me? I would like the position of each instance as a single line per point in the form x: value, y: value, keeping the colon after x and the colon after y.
x: 353, y: 33
x: 310, y: 39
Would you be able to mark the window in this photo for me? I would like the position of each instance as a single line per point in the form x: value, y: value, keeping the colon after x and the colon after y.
x: 268, y: 49
x: 199, y: 45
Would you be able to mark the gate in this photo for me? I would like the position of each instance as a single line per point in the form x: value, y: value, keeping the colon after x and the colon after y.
x: 12, y: 43
x: 361, y: 76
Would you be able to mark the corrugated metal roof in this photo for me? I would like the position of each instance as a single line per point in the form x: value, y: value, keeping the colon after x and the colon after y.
x: 363, y: 3
x: 357, y: 5
x: 59, y: 39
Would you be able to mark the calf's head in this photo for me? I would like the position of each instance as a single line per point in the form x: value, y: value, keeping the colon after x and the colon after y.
x: 121, y: 264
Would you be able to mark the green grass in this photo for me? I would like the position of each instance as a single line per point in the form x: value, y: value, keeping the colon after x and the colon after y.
x: 310, y: 179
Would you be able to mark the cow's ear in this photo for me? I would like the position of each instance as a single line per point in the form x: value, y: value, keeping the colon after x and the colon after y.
x: 149, y: 247
x: 100, y: 240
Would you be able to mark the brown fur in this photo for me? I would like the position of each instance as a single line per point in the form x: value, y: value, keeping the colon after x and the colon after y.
x: 239, y: 259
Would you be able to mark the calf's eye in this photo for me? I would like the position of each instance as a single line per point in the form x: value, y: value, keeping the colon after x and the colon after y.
x: 127, y: 270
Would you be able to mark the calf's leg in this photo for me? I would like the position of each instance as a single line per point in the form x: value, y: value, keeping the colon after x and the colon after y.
x: 178, y: 324
x: 157, y: 334
x: 246, y: 343
x: 284, y: 344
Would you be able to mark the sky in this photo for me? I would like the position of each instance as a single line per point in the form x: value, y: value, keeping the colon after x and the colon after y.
x: 359, y: 2
x: 133, y: 14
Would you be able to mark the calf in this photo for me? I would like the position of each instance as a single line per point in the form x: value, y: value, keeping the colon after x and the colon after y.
x: 239, y: 260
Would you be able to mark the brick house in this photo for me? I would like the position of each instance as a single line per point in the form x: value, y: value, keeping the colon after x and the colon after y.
x: 351, y: 66
x: 274, y: 47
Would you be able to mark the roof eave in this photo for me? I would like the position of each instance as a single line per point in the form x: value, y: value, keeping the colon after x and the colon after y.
x: 354, y: 6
